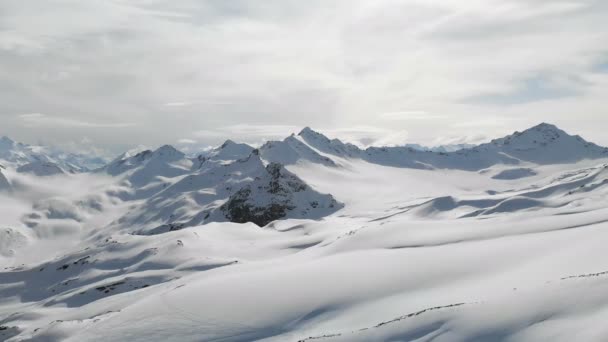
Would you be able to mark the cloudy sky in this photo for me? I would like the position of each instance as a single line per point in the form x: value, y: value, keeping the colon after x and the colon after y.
x: 119, y: 73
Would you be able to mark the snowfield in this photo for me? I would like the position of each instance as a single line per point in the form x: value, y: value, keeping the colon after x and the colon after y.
x: 505, y: 241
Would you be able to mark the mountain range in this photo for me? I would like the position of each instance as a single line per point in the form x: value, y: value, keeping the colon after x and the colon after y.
x: 239, y: 183
x: 44, y: 159
x: 307, y: 239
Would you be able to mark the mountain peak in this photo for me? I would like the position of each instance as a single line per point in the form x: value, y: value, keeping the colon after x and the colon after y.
x: 306, y: 130
x: 167, y: 150
x: 309, y: 134
x: 227, y: 143
x: 545, y: 127
x: 542, y: 133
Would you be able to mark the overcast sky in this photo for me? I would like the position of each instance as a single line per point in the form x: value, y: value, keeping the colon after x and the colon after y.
x: 146, y: 72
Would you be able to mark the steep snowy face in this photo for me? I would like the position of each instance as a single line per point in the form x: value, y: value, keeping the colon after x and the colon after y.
x: 41, y: 168
x: 276, y: 195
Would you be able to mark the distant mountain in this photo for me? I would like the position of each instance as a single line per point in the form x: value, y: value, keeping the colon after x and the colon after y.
x: 148, y: 171
x: 15, y: 154
x: 541, y: 144
x: 545, y: 144
x: 245, y: 190
x: 441, y: 148
x: 291, y: 150
x: 235, y: 182
x: 41, y: 168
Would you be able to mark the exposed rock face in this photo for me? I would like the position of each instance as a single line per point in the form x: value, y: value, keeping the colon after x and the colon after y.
x: 276, y: 195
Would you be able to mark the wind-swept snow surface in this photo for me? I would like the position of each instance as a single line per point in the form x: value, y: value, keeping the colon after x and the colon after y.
x: 504, y: 241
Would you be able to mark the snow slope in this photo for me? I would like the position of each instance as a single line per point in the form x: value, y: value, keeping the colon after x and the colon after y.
x: 142, y: 250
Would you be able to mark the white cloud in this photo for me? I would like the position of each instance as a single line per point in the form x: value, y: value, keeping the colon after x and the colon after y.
x: 425, y: 67
x: 177, y: 104
x: 186, y: 141
x: 38, y: 119
x: 249, y: 133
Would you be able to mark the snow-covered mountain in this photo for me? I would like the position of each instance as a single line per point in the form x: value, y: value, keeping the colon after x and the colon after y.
x: 311, y: 239
x: 15, y: 154
x: 228, y: 152
x: 245, y: 190
x: 542, y: 144
x: 291, y: 150
x: 41, y: 168
x: 148, y: 167
x: 277, y: 194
